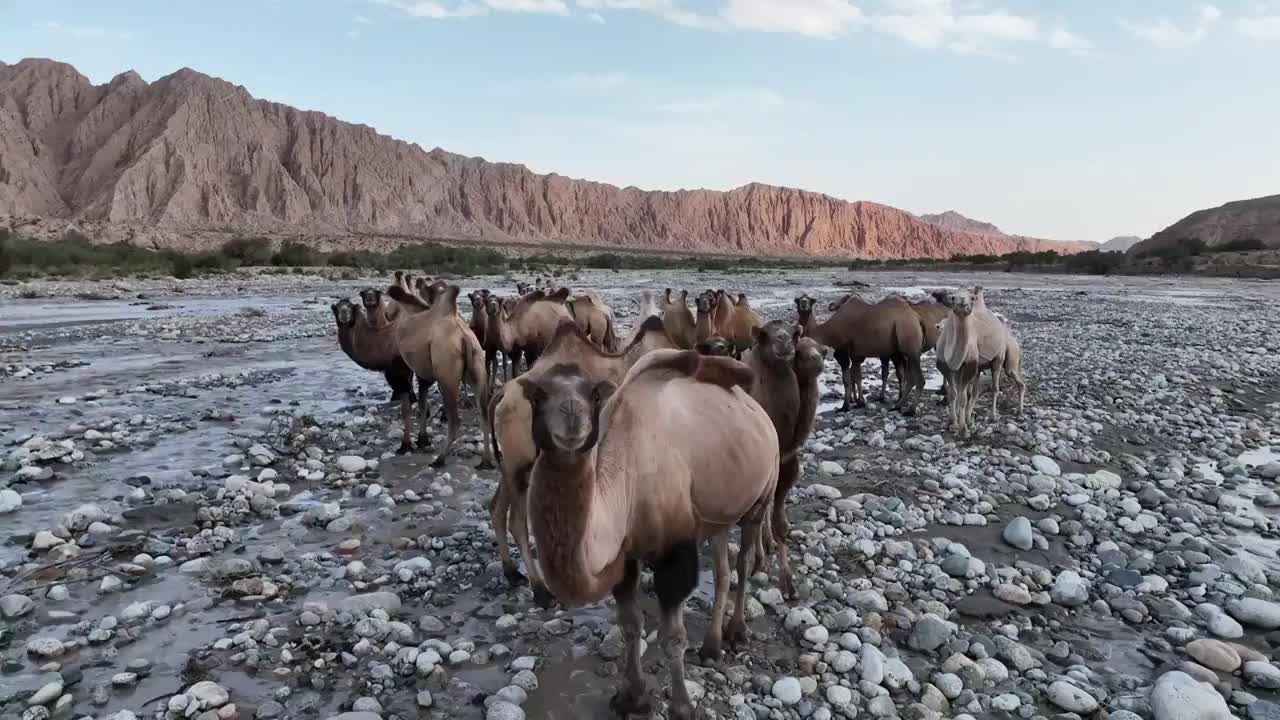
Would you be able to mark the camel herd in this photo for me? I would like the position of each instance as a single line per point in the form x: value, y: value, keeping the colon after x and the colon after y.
x: 616, y: 453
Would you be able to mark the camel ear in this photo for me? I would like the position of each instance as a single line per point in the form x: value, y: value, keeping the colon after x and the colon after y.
x: 684, y: 296
x: 666, y: 295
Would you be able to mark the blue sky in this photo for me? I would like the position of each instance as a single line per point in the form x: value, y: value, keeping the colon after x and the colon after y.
x: 1075, y: 120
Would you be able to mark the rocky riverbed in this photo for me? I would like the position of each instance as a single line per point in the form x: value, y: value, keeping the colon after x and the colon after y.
x: 201, y: 517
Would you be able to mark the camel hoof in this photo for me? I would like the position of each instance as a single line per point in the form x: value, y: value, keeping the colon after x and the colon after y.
x: 710, y: 653
x: 843, y: 408
x: 681, y: 712
x: 485, y: 464
x: 860, y: 403
x: 439, y: 462
x: 424, y: 441
x: 789, y: 590
x: 406, y: 448
x: 543, y: 597
x: 736, y: 635
x: 513, y: 575
x: 628, y: 702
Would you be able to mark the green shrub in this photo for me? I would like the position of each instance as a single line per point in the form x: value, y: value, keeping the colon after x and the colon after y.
x: 1241, y: 245
x: 249, y: 251
x: 293, y: 253
x: 182, y: 267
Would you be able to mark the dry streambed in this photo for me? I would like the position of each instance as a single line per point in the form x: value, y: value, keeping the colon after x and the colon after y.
x: 201, y: 519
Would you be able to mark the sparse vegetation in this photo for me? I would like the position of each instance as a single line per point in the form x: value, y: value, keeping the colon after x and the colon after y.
x: 249, y: 251
x: 1246, y: 244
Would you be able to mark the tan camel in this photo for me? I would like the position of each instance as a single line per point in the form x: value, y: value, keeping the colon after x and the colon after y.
x: 480, y: 326
x: 510, y: 417
x: 595, y: 318
x: 678, y: 319
x: 1013, y: 367
x: 374, y: 348
x: 680, y: 453
x: 742, y: 324
x: 804, y: 314
x: 715, y: 346
x: 704, y: 327
x: 889, y: 329
x: 649, y: 307
x: 440, y: 348
x: 993, y: 346
x: 527, y: 327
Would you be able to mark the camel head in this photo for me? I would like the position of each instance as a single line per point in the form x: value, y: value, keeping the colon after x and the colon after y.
x: 523, y: 288
x: 493, y: 307
x: 371, y: 299
x: 344, y: 312
x: 811, y: 357
x: 742, y: 299
x: 714, y: 345
x: 837, y: 304
x: 776, y: 341
x: 960, y: 301
x: 666, y: 296
x: 804, y: 305
x: 705, y: 303
x: 478, y: 303
x: 566, y: 406
x: 942, y: 296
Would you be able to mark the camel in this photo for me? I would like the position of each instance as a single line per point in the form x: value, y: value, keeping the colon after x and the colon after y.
x: 736, y: 321
x: 527, y: 327
x: 373, y: 348
x: 958, y: 359
x: 440, y: 348
x: 705, y: 326
x: 595, y: 318
x: 678, y: 319
x: 715, y: 346
x: 1013, y: 367
x: 677, y: 454
x: 889, y: 329
x: 489, y: 340
x: 804, y: 314
x: 509, y: 413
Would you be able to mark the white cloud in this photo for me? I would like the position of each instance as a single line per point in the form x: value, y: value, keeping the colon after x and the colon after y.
x: 1263, y: 27
x: 556, y: 7
x: 816, y: 18
x: 1064, y: 39
x: 441, y: 10
x: 665, y: 9
x: 354, y: 33
x: 88, y: 33
x: 732, y: 101
x: 1165, y: 34
x: 596, y: 17
x: 934, y: 24
x: 362, y: 20
x: 592, y: 82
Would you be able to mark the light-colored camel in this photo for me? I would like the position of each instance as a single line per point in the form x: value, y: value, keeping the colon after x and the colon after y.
x: 510, y: 417
x: 742, y: 324
x: 440, y: 348
x: 527, y: 327
x: 890, y: 329
x: 595, y: 318
x: 704, y: 327
x: 958, y: 359
x: 678, y: 319
x: 680, y: 453
x: 1012, y: 364
x: 489, y: 340
x: 993, y: 346
x: 730, y: 318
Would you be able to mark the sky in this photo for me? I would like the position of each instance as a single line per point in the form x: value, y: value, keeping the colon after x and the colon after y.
x: 1075, y: 119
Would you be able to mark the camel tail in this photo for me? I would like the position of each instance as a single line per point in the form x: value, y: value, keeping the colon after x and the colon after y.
x: 401, y: 295
x: 490, y: 411
x: 610, y: 335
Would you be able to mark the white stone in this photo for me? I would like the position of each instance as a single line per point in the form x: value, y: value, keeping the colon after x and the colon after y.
x: 828, y: 467
x: 787, y: 690
x: 1046, y: 466
x: 1178, y: 696
x: 1071, y: 698
x: 1069, y: 589
x: 10, y: 501
x: 351, y: 463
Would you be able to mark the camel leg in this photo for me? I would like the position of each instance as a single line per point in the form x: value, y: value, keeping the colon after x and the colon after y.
x: 842, y: 359
x: 1021, y: 386
x: 859, y: 400
x: 406, y: 419
x: 674, y: 579
x: 884, y: 379
x: 711, y: 645
x: 498, y: 514
x: 633, y: 697
x: 907, y: 385
x: 520, y: 529
x: 737, y: 635
x: 480, y: 383
x: 995, y: 389
x: 449, y: 396
x: 763, y: 545
x: 424, y: 415
x: 788, y: 473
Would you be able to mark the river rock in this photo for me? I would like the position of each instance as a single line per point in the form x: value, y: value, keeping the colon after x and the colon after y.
x: 15, y: 606
x: 1214, y: 654
x: 351, y: 463
x: 1069, y: 589
x: 930, y: 633
x: 1260, y: 674
x: 47, y: 693
x: 1071, y: 698
x: 208, y: 694
x: 1178, y: 696
x: 388, y: 601
x: 1018, y: 534
x: 1255, y: 612
x: 1046, y: 466
x: 10, y: 501
x: 787, y: 690
x: 503, y: 710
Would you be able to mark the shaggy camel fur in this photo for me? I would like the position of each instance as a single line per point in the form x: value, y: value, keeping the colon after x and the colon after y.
x: 678, y: 319
x: 595, y: 318
x: 440, y: 348
x: 527, y: 328
x: 679, y: 453
x: 705, y: 326
x: 889, y: 329
x: 510, y: 418
x: 481, y: 325
x: 1012, y: 364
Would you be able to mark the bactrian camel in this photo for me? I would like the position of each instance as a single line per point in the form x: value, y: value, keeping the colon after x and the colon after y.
x: 678, y: 320
x: 527, y: 328
x: 890, y: 329
x: 440, y: 348
x: 595, y: 318
x: 510, y: 418
x: 371, y: 344
x: 680, y: 453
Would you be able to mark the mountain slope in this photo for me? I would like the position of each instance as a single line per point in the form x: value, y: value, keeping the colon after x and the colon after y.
x: 1120, y: 243
x: 953, y: 220
x: 1257, y: 218
x: 191, y: 152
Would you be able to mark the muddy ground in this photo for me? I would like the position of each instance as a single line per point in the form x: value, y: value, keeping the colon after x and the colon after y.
x: 179, y: 537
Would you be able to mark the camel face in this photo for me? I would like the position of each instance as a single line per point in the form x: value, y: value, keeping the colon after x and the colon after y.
x: 344, y: 312
x: 960, y: 302
x: 811, y: 357
x: 777, y: 341
x: 705, y: 303
x: 804, y: 304
x: 566, y: 409
x: 371, y: 299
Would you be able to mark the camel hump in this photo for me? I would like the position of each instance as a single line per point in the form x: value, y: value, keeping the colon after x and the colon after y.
x: 560, y: 295
x: 566, y: 328
x: 725, y: 372
x: 401, y: 295
x: 668, y: 364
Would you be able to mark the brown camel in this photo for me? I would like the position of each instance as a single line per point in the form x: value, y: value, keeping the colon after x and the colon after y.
x: 736, y: 321
x: 527, y: 327
x: 440, y: 348
x: 705, y: 326
x: 889, y: 329
x: 595, y: 318
x: 678, y: 319
x: 716, y: 346
x: 480, y: 326
x: 373, y: 348
x: 804, y: 314
x: 514, y: 447
x: 931, y: 315
x: 680, y: 453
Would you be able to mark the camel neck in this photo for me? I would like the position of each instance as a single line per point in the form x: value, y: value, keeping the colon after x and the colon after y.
x: 807, y: 325
x: 576, y: 532
x: 344, y: 339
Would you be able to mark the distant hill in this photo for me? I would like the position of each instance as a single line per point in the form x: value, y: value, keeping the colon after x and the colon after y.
x: 1121, y: 243
x: 953, y: 220
x: 168, y: 162
x: 1240, y: 221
